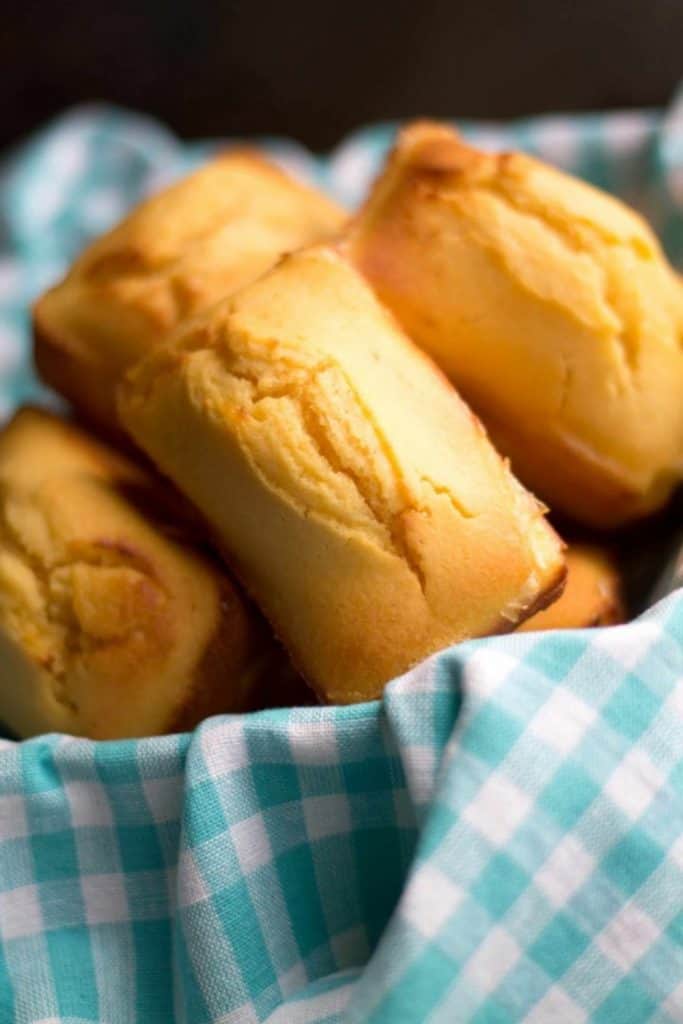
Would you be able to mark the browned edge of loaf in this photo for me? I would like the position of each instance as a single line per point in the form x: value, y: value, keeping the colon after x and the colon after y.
x: 240, y: 638
x: 552, y: 592
x: 211, y: 680
x: 77, y: 380
x: 604, y: 503
x: 501, y: 625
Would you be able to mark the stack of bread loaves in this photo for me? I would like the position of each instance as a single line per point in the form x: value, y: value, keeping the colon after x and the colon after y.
x: 293, y: 374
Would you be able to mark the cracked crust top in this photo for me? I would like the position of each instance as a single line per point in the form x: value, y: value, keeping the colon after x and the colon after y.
x: 102, y: 597
x: 173, y: 255
x: 354, y: 493
x: 548, y: 303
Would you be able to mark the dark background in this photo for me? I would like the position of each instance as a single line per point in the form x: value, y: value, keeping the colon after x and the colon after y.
x: 314, y: 70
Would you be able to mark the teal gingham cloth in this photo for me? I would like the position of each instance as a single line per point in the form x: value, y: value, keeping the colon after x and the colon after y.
x: 500, y: 839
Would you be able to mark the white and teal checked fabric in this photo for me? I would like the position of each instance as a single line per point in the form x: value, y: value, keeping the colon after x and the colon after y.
x: 499, y: 840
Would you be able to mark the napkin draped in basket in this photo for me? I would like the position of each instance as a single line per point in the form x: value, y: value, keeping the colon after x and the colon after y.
x: 499, y: 839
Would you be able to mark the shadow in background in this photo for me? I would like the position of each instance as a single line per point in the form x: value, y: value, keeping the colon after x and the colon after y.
x: 314, y: 70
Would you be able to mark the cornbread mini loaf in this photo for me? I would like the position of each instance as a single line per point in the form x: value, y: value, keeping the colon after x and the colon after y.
x: 549, y: 304
x: 175, y: 254
x: 111, y: 625
x: 353, y: 492
x: 591, y: 597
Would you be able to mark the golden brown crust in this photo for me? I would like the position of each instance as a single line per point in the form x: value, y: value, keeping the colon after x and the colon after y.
x: 73, y: 375
x: 591, y: 486
x: 174, y: 255
x: 551, y: 307
x: 555, y: 589
x: 592, y: 596
x: 241, y: 638
x: 354, y: 494
x: 111, y: 623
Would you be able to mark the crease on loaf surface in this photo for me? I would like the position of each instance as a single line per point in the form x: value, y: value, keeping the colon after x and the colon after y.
x: 592, y: 595
x: 111, y: 623
x: 173, y: 255
x: 551, y: 307
x: 352, y: 491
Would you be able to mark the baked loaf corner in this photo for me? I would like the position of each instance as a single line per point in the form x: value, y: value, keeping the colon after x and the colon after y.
x: 592, y: 595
